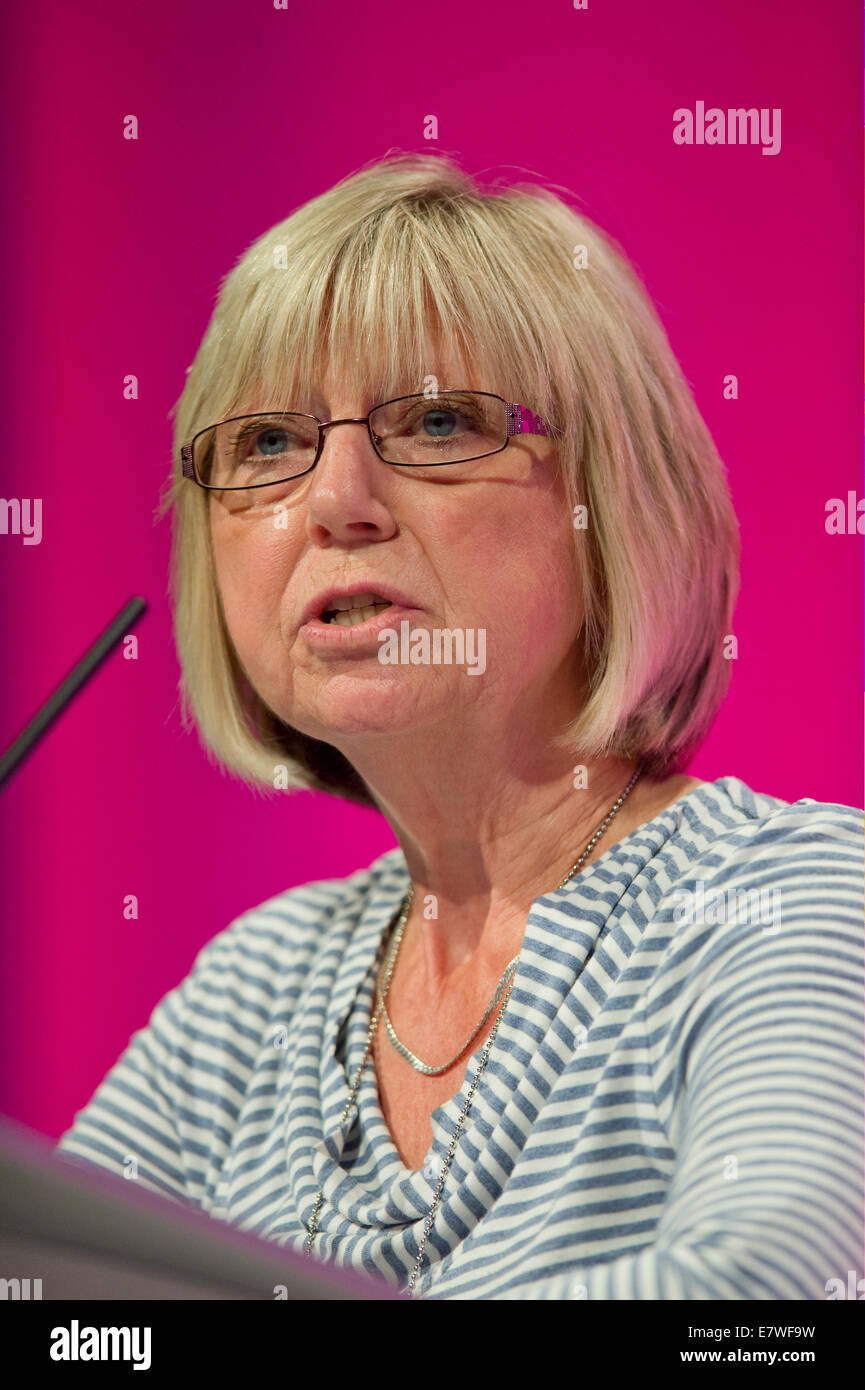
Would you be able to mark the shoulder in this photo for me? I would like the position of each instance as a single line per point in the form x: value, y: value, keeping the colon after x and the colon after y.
x: 732, y: 830
x: 246, y: 981
x: 755, y: 881
x: 276, y: 941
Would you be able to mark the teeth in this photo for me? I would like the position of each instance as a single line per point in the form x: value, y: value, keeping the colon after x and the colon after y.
x: 355, y: 601
x: 348, y: 617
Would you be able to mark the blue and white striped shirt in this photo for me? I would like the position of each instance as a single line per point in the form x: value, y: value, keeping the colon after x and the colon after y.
x: 672, y: 1108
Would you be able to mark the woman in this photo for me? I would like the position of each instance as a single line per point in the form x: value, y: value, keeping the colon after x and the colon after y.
x: 453, y: 541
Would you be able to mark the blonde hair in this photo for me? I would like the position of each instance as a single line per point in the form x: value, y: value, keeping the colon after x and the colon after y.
x: 538, y: 298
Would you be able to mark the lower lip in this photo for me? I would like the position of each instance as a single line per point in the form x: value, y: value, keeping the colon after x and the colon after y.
x: 338, y: 637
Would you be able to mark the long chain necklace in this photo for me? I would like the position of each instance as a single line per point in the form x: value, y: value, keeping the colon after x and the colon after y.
x: 503, y: 986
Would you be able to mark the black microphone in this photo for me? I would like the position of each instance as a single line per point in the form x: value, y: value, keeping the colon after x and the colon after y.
x: 56, y: 703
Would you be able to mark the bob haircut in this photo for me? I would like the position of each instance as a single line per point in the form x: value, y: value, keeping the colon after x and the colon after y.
x: 532, y: 295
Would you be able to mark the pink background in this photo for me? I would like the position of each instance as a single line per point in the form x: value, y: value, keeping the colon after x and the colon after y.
x: 113, y: 254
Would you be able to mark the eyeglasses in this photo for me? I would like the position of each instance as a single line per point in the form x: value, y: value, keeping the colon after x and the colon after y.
x: 451, y: 427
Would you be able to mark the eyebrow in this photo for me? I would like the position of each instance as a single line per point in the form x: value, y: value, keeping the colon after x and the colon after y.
x: 378, y: 396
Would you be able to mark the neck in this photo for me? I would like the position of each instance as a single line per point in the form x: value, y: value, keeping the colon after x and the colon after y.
x: 490, y: 815
x: 472, y: 895
x: 481, y: 845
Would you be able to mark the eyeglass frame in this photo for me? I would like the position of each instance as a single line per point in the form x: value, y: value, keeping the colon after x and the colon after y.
x: 519, y: 420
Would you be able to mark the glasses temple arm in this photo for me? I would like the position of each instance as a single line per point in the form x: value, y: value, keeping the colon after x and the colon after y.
x: 521, y: 420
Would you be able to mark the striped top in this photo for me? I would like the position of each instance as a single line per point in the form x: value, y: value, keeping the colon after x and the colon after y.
x: 672, y: 1108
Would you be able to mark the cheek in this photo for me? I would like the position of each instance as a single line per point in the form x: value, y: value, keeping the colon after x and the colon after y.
x: 524, y: 560
x: 252, y: 571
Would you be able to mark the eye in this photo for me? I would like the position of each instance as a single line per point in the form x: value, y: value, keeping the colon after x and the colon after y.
x: 440, y: 423
x: 270, y: 440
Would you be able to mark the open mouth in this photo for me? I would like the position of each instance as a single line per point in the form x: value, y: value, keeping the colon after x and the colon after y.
x: 346, y: 612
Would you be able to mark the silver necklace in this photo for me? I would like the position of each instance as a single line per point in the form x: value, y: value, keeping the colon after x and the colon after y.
x: 504, y: 985
x: 426, y: 1067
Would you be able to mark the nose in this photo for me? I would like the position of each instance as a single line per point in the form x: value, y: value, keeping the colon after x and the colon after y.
x: 346, y: 420
x: 348, y: 449
x: 344, y: 501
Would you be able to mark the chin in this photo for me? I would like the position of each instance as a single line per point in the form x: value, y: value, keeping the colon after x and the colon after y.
x: 351, y: 705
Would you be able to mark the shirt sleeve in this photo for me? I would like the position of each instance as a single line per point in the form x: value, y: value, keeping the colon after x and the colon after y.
x: 766, y: 1110
x: 157, y: 1116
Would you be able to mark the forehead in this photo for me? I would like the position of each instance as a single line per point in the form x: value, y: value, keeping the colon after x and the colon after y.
x: 337, y: 396
x: 437, y: 366
x: 339, y: 388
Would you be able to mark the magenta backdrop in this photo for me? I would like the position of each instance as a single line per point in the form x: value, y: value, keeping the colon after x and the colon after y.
x: 114, y: 249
